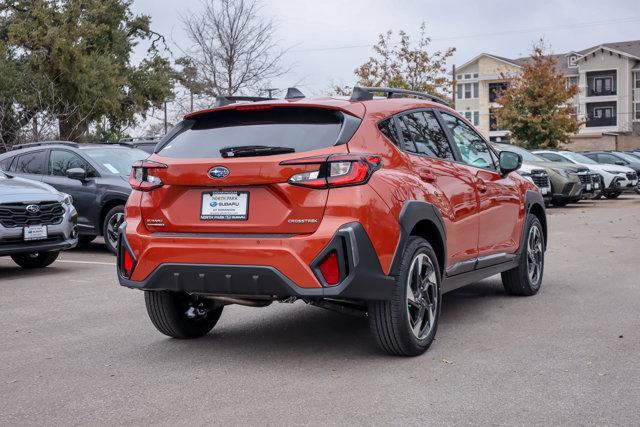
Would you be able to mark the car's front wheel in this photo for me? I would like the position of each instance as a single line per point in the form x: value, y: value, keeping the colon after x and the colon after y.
x: 180, y: 315
x: 526, y: 278
x: 35, y: 260
x: 407, y: 324
x: 112, y: 222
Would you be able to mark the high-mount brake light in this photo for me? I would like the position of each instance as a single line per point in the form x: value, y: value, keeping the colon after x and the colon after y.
x: 335, y: 170
x: 140, y: 178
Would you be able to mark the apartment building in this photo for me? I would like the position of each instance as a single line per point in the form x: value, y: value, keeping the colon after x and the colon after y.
x: 608, y: 77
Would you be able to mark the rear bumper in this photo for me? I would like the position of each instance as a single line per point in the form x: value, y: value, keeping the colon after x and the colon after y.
x: 362, y: 276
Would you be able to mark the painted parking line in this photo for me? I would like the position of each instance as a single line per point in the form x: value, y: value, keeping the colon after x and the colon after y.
x: 70, y: 261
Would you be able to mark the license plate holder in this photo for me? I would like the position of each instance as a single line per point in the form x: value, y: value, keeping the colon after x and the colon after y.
x: 34, y: 232
x: 224, y: 206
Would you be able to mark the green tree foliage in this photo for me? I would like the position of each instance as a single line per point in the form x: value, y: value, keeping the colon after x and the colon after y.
x: 536, y: 106
x: 75, y: 57
x: 403, y: 65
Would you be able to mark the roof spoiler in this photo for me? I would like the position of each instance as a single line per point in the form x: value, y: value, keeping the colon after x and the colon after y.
x: 221, y: 101
x: 362, y: 93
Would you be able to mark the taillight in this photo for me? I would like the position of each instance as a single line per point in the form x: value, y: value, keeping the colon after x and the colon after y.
x: 335, y: 170
x: 330, y: 269
x: 142, y: 178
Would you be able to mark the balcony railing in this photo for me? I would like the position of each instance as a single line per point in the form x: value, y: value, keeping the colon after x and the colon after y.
x: 593, y: 92
x: 593, y: 122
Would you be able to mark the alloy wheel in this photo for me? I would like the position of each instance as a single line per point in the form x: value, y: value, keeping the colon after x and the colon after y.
x: 112, y: 228
x: 535, y: 255
x: 422, y: 296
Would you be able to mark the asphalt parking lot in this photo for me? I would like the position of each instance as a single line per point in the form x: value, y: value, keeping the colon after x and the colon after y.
x: 78, y: 349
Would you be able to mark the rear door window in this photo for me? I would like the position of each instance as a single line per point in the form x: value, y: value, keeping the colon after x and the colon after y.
x: 282, y: 129
x: 32, y: 163
x: 427, y: 135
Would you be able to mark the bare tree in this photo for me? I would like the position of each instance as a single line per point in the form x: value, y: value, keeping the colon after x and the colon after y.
x: 234, y: 48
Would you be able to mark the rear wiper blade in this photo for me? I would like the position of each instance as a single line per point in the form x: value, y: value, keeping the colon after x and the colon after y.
x: 254, y: 150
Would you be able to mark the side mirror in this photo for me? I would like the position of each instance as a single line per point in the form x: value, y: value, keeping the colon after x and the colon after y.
x: 77, y: 173
x: 509, y: 162
x: 620, y: 163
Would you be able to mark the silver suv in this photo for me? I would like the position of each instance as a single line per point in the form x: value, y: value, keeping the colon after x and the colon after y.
x: 36, y: 222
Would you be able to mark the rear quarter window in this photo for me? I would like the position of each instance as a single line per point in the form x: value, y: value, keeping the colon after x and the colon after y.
x: 298, y: 128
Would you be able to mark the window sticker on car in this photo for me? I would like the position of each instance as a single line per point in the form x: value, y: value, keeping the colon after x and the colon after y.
x: 110, y: 167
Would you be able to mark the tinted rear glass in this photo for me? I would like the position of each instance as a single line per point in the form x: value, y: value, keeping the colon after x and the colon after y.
x: 301, y: 129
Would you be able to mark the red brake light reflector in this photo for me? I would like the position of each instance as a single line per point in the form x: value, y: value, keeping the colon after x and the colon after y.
x: 330, y: 269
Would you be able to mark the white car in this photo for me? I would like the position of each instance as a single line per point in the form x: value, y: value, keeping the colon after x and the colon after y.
x: 614, y: 177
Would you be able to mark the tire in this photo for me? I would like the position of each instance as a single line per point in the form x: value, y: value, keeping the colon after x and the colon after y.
x: 35, y: 260
x: 112, y: 221
x: 612, y: 195
x: 391, y: 321
x: 84, y: 239
x: 168, y: 313
x: 519, y: 281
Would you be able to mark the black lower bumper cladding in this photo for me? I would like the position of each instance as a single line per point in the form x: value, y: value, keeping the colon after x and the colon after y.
x: 362, y: 277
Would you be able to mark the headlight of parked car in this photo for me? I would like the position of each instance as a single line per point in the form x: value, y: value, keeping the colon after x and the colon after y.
x: 525, y: 175
x: 562, y: 172
x: 68, y: 199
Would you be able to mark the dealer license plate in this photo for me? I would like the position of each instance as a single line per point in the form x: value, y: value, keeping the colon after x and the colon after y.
x: 225, y: 205
x: 35, y: 232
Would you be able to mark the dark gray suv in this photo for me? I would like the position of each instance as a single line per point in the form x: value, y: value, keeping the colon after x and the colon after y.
x: 95, y: 175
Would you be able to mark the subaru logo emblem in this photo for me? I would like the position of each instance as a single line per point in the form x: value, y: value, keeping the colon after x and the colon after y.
x: 34, y: 209
x: 218, y: 172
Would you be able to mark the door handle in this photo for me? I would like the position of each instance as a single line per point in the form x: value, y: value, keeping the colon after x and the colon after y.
x: 427, y: 175
x: 481, y: 185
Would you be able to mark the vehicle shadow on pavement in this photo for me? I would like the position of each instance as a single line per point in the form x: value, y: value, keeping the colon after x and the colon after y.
x: 308, y: 331
x: 8, y: 271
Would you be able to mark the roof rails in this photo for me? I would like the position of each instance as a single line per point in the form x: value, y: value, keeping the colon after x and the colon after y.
x: 221, y: 101
x: 361, y: 93
x: 41, y: 143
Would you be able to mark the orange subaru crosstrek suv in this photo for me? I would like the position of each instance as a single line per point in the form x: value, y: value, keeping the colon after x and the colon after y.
x: 369, y: 205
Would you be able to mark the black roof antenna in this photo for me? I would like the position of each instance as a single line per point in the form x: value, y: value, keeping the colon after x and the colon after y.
x: 294, y: 93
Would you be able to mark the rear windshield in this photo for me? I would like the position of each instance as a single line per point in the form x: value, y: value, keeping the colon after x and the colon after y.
x: 290, y: 128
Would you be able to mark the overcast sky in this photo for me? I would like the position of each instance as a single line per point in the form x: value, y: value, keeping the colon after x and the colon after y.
x: 321, y: 34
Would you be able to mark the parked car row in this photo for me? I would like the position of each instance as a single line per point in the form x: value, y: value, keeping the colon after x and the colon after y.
x: 55, y: 195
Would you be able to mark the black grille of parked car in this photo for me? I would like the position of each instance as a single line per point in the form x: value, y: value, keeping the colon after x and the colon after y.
x: 585, y: 178
x: 17, y: 215
x: 632, y: 176
x: 540, y: 178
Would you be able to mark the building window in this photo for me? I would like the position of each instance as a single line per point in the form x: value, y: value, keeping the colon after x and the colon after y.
x: 459, y: 76
x: 467, y: 76
x: 475, y: 76
x: 467, y: 90
x: 637, y: 80
x: 472, y: 116
x: 572, y: 80
x: 572, y: 61
x: 495, y: 90
x: 601, y: 114
x: 637, y: 111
